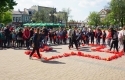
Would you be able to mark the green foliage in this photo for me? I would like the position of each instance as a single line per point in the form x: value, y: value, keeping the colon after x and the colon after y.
x: 40, y: 16
x: 94, y: 19
x: 118, y: 9
x: 6, y: 5
x: 109, y: 19
x: 1, y: 17
x: 6, y: 17
x: 67, y: 14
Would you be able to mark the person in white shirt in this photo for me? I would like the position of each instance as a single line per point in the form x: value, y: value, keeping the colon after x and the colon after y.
x: 122, y: 37
x: 69, y: 35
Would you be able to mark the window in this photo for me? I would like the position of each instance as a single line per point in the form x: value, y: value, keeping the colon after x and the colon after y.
x: 13, y: 19
x: 16, y: 19
x: 30, y: 12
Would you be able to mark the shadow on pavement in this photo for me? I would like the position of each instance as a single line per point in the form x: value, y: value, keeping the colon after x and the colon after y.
x: 85, y: 49
x: 57, y: 48
x: 53, y: 62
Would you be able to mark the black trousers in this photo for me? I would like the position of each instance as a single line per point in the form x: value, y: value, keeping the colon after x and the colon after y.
x: 92, y: 40
x: 103, y: 41
x: 27, y: 43
x: 64, y: 39
x: 19, y: 43
x: 70, y: 42
x: 3, y: 43
x: 8, y: 41
x: 124, y: 45
x: 75, y: 42
x: 115, y: 44
x: 35, y: 48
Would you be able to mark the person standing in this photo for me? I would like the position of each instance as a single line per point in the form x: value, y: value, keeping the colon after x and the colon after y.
x: 26, y: 35
x: 36, y: 44
x: 7, y: 34
x: 19, y: 38
x: 92, y: 35
x: 73, y: 38
x: 2, y: 39
x: 114, y: 42
x: 98, y: 36
x: 122, y: 38
x: 69, y: 35
x: 104, y: 37
x: 109, y: 38
x: 45, y: 30
x: 31, y: 35
x: 64, y: 36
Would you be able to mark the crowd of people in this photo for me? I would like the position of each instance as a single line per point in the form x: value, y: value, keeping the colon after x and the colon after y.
x: 36, y: 37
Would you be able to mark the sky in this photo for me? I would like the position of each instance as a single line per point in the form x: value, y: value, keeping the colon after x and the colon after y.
x: 80, y: 9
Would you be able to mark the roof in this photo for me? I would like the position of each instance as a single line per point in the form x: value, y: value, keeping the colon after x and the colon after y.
x: 31, y: 9
x: 106, y: 10
x: 18, y: 12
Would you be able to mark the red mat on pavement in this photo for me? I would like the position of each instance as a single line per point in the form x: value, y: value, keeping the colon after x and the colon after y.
x: 98, y: 48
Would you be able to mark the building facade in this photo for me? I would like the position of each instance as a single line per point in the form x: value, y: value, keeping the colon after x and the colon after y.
x: 20, y: 17
x: 25, y: 16
x: 49, y: 12
x: 103, y: 13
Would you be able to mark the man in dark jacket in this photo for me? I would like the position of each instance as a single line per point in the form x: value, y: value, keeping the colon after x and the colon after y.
x: 36, y: 44
x: 73, y: 39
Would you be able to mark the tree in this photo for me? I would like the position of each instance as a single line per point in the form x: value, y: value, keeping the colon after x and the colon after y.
x: 94, y: 19
x: 67, y: 14
x: 40, y: 16
x: 7, y: 17
x: 118, y: 8
x: 6, y: 5
x: 109, y: 19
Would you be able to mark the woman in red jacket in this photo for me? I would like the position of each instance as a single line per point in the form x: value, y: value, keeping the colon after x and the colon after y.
x: 26, y: 35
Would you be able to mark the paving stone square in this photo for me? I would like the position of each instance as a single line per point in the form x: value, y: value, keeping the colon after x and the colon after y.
x: 15, y: 65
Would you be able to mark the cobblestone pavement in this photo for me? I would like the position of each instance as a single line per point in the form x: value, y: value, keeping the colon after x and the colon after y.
x: 15, y: 65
